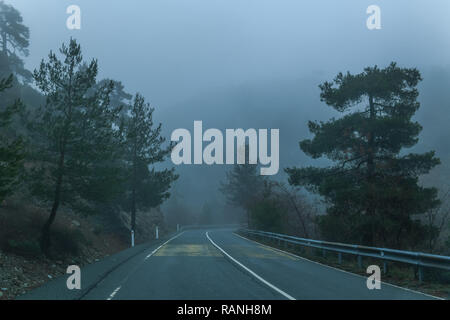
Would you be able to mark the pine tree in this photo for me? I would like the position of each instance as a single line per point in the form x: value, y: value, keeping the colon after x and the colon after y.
x: 143, y: 147
x: 14, y: 41
x: 11, y: 147
x: 119, y: 97
x: 243, y: 186
x: 75, y: 139
x: 372, y: 190
x: 14, y: 33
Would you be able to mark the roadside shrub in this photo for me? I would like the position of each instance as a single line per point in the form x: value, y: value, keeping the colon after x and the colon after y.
x: 20, y: 230
x: 27, y: 248
x: 97, y: 230
x: 66, y: 241
x: 267, y: 215
x: 437, y: 275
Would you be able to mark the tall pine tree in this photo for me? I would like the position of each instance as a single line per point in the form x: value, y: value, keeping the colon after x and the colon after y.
x: 143, y: 148
x: 74, y: 133
x: 372, y: 190
x: 14, y: 41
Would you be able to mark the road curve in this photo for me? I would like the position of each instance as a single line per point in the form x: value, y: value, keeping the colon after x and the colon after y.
x: 218, y: 264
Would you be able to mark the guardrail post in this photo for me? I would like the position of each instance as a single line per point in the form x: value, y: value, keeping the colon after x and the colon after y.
x: 340, y: 257
x: 323, y: 253
x: 385, y: 267
x: 360, y: 261
x: 420, y: 271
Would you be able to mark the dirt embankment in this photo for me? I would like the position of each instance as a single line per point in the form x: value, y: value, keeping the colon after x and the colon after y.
x: 76, y: 240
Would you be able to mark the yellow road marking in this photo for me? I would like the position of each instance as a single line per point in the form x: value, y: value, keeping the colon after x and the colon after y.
x: 276, y: 252
x: 189, y: 250
x: 206, y: 250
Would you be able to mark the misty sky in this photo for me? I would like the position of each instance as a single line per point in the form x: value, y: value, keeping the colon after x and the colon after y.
x: 169, y: 49
x: 249, y: 63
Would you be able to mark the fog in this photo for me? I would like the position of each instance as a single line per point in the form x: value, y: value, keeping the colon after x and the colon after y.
x: 250, y: 64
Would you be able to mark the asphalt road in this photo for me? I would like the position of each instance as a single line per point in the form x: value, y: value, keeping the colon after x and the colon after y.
x: 218, y: 264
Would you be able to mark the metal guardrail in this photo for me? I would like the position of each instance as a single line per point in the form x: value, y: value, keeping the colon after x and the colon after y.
x: 418, y: 259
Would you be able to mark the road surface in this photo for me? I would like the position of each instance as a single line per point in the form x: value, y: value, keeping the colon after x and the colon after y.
x: 218, y: 264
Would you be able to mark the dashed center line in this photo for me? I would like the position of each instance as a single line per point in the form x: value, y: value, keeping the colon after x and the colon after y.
x: 111, y: 296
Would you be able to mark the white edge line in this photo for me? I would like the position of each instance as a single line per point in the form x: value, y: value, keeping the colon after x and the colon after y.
x: 114, y: 293
x: 250, y: 271
x: 324, y: 265
x: 148, y: 256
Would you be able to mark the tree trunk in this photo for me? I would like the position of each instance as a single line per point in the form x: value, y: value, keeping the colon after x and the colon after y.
x: 371, y: 171
x: 133, y: 210
x: 133, y: 195
x: 297, y: 210
x: 45, y: 236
